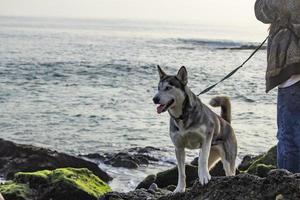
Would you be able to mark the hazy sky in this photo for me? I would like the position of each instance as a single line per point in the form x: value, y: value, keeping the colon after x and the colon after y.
x: 226, y: 12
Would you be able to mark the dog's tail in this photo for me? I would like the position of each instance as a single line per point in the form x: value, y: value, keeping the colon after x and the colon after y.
x: 224, y: 103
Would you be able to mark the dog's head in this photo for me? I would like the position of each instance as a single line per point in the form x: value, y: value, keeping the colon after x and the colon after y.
x: 171, y: 90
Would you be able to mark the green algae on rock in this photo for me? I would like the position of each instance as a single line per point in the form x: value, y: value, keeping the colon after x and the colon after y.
x: 63, y: 183
x: 264, y: 164
x: 15, y: 191
x: 82, y: 179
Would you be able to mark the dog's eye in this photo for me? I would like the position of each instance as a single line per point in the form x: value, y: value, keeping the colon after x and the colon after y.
x: 167, y: 88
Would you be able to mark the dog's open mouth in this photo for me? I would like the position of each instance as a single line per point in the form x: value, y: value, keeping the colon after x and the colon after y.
x: 163, y: 107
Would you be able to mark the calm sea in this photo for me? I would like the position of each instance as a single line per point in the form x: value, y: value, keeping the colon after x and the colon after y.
x: 86, y: 86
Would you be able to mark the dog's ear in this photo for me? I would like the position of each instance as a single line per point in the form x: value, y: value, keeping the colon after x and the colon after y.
x: 161, y: 72
x: 182, y: 75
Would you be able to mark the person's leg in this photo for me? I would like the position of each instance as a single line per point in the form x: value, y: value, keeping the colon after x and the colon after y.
x: 288, y: 119
x: 280, y: 127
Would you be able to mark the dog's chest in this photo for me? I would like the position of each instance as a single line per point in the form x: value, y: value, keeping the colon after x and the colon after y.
x: 188, y: 138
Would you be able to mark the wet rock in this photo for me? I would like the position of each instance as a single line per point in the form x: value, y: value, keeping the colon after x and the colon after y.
x: 15, y: 191
x: 130, y: 158
x: 170, y: 177
x: 247, y: 162
x: 147, y: 182
x: 277, y: 184
x: 153, y: 187
x: 140, y: 194
x: 63, y: 183
x: 94, y: 156
x: 246, y: 187
x: 123, y: 160
x: 258, y: 165
x: 171, y: 188
x: 264, y: 163
x: 26, y: 158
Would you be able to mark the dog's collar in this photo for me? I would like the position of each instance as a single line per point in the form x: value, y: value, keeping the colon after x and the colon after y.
x: 184, y: 107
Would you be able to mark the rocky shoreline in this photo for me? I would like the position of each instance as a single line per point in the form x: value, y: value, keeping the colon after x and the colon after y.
x: 40, y: 174
x: 27, y: 158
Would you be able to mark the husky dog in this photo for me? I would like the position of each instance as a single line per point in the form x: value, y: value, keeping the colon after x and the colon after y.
x: 194, y: 126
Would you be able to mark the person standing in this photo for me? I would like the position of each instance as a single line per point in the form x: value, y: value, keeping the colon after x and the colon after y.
x: 283, y: 70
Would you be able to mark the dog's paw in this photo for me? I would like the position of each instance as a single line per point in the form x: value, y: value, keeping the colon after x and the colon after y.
x: 179, y: 189
x: 204, y: 177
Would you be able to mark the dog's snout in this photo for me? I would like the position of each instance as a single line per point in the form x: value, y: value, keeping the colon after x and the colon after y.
x: 156, y: 100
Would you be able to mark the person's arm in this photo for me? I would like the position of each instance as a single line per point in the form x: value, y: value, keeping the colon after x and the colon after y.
x: 267, y: 11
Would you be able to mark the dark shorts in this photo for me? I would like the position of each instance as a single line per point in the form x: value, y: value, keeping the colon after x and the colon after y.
x: 288, y: 122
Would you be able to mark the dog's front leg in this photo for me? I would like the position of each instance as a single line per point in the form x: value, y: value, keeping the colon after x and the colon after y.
x: 203, y: 171
x: 180, y: 156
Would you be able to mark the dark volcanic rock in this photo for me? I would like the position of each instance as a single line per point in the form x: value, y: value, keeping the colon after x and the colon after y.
x: 246, y: 162
x: 123, y: 160
x: 240, y: 187
x: 246, y: 187
x: 140, y: 194
x: 170, y: 177
x: 130, y: 158
x: 264, y: 163
x: 26, y: 158
x: 259, y: 165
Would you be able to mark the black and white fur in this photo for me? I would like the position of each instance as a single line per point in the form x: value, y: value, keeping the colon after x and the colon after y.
x: 194, y: 126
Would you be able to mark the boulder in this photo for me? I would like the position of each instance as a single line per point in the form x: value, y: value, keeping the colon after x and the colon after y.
x: 258, y: 165
x: 247, y: 161
x: 278, y: 184
x: 130, y: 158
x: 264, y: 163
x: 15, y: 191
x: 170, y: 177
x: 26, y: 158
x: 63, y: 183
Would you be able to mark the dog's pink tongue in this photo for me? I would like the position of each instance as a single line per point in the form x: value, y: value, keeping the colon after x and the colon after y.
x: 160, y: 108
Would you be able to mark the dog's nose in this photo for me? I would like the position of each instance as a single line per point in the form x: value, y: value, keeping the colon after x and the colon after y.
x: 156, y: 99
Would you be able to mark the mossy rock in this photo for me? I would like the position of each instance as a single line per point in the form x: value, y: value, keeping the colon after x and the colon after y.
x: 82, y: 179
x: 261, y: 170
x: 63, y: 183
x: 264, y: 163
x: 16, y: 191
x: 33, y: 179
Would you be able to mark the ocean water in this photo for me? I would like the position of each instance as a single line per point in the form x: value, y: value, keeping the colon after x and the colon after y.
x: 86, y: 86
